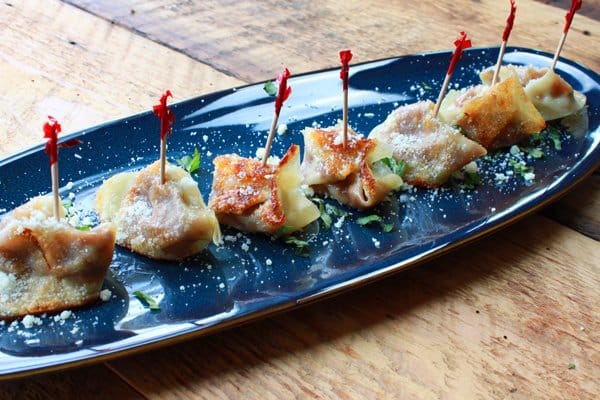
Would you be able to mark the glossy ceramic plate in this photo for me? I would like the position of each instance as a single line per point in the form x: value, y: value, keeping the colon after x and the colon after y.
x: 252, y: 275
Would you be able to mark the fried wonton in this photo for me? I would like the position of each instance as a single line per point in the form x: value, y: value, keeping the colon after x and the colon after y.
x: 431, y: 149
x: 253, y: 197
x: 48, y: 265
x: 353, y: 174
x: 162, y: 221
x: 495, y: 117
x: 553, y: 97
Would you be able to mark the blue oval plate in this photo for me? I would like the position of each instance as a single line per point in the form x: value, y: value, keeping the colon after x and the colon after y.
x: 252, y: 275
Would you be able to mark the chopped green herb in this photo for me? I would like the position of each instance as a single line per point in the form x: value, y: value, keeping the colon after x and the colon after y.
x: 571, y: 366
x: 271, y: 88
x: 375, y: 218
x: 67, y: 204
x: 84, y: 228
x: 426, y: 86
x: 326, y: 218
x: 300, y: 246
x: 333, y: 210
x: 147, y: 300
x: 465, y: 179
x: 536, y: 138
x: 554, y: 135
x: 190, y: 164
x: 284, y: 230
x: 534, y: 152
x: 520, y: 168
x: 397, y: 167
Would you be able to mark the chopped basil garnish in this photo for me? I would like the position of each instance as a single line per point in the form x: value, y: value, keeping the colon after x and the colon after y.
x: 554, y: 135
x: 190, y: 163
x: 534, y: 152
x: 571, y: 366
x: 375, y: 218
x: 84, y: 228
x: 397, y: 167
x: 300, y: 246
x: 147, y: 300
x: 327, y: 211
x: 426, y: 86
x: 271, y: 88
x: 520, y: 168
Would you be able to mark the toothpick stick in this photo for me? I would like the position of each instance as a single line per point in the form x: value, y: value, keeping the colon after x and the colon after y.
x: 460, y: 44
x: 283, y: 93
x: 166, y: 116
x: 575, y: 5
x: 345, y: 57
x: 51, y: 130
x: 507, y: 29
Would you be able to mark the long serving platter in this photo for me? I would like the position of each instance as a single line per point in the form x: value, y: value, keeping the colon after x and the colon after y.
x: 252, y: 276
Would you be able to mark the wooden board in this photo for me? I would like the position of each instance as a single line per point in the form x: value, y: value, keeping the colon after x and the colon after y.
x: 434, y: 332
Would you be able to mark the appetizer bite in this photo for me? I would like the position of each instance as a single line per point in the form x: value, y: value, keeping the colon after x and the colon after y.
x: 258, y: 196
x: 431, y: 149
x: 551, y: 95
x: 158, y: 211
x: 46, y: 264
x: 359, y: 174
x: 166, y: 221
x: 354, y: 170
x: 496, y: 117
x: 255, y: 197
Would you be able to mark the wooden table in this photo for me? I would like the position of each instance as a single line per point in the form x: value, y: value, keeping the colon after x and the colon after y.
x: 499, y: 319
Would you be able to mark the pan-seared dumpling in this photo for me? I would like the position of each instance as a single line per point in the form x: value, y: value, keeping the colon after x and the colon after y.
x: 354, y: 174
x: 256, y: 198
x: 431, y: 149
x: 48, y: 265
x: 550, y: 94
x: 163, y: 221
x: 495, y: 117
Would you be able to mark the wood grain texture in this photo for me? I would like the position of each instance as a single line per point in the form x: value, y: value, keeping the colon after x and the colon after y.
x: 251, y: 40
x: 58, y: 60
x: 500, y: 319
x: 96, y: 382
x: 434, y: 332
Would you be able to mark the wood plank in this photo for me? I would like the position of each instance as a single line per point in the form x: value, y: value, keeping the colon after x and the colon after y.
x: 83, y: 383
x: 83, y: 70
x: 478, y: 323
x: 251, y: 40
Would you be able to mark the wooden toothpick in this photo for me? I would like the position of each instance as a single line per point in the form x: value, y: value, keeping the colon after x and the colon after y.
x: 505, y: 35
x: 460, y: 44
x: 575, y: 5
x: 166, y: 116
x: 345, y: 57
x: 283, y: 93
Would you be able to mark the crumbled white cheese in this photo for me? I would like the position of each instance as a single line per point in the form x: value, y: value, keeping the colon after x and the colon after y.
x: 268, y: 261
x: 29, y: 321
x: 282, y: 129
x: 105, y: 295
x: 471, y: 167
x: 66, y: 314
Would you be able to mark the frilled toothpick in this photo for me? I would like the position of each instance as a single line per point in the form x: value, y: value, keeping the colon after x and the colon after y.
x: 51, y: 130
x: 283, y: 92
x: 505, y: 35
x: 460, y: 44
x: 166, y: 116
x: 575, y: 5
x: 345, y: 57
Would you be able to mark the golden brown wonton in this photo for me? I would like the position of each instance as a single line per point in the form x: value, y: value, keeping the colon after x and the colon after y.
x: 256, y: 198
x: 431, y: 149
x: 163, y: 221
x: 552, y: 96
x: 495, y: 117
x: 350, y: 174
x: 48, y: 265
